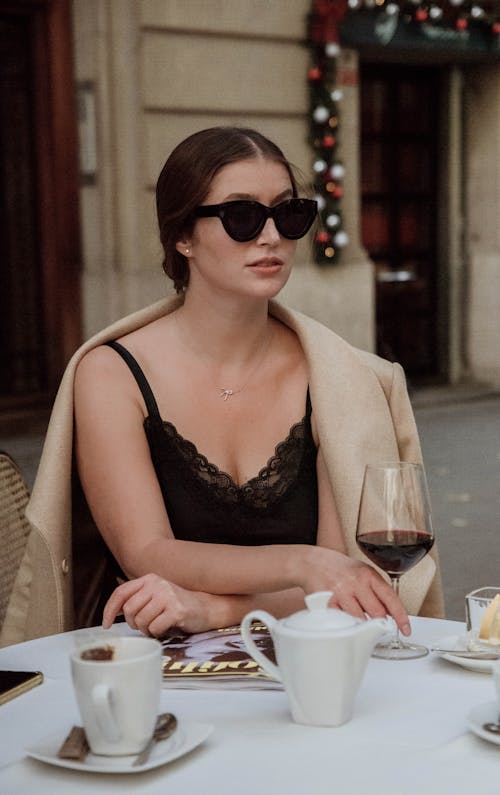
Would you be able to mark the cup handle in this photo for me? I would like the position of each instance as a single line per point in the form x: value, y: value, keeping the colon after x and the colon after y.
x: 246, y: 633
x: 101, y: 701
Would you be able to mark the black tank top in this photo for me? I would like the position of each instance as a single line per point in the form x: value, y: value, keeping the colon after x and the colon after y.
x: 278, y: 506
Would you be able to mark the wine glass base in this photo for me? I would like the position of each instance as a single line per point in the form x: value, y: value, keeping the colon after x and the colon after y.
x: 399, y: 651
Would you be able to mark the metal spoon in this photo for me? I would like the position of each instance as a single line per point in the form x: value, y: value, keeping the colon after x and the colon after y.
x: 470, y: 655
x: 166, y: 724
x: 493, y: 727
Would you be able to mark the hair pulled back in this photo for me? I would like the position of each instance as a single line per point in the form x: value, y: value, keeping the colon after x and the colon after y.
x: 185, y: 180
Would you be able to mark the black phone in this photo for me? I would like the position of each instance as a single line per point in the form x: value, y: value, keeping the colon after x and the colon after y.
x: 13, y: 683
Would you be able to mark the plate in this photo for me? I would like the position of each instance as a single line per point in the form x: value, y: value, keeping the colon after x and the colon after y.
x: 184, y: 740
x: 459, y: 643
x: 484, y: 713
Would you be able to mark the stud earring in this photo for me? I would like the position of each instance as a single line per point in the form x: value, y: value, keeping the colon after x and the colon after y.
x: 188, y: 251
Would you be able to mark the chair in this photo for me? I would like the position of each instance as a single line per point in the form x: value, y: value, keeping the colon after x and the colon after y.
x: 14, y: 527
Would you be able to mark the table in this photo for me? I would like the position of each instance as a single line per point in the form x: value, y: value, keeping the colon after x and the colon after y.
x: 408, y: 733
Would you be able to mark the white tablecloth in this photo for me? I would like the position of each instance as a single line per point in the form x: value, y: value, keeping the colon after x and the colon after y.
x: 408, y: 734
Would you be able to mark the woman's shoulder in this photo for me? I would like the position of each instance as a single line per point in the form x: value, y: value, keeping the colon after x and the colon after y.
x: 325, y: 339
x: 93, y: 353
x: 100, y: 366
x: 382, y: 367
x: 326, y: 349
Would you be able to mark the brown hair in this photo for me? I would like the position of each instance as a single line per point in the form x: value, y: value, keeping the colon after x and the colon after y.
x: 185, y: 181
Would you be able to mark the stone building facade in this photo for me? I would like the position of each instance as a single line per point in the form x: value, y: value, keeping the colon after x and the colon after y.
x: 157, y: 71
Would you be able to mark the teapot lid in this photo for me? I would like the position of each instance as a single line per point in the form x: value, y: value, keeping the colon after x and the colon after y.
x: 319, y: 617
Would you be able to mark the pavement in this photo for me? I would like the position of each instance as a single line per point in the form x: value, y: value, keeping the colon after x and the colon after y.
x: 460, y: 441
x: 460, y: 436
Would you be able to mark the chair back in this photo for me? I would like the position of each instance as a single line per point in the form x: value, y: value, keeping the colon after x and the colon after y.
x: 14, y: 527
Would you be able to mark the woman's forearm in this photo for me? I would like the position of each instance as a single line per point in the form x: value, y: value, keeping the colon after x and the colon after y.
x: 153, y: 605
x: 220, y: 568
x: 229, y: 610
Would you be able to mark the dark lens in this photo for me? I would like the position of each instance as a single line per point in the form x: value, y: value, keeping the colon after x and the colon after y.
x: 294, y: 218
x: 243, y: 220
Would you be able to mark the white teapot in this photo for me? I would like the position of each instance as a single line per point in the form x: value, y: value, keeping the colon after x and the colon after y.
x: 322, y: 654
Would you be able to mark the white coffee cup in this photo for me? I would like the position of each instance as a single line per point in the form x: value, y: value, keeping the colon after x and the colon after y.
x: 118, y: 698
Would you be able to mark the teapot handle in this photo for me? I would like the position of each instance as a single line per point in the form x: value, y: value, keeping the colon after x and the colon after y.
x: 246, y: 633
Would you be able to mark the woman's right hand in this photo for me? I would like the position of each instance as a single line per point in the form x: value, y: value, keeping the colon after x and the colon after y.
x: 358, y: 589
x: 153, y: 605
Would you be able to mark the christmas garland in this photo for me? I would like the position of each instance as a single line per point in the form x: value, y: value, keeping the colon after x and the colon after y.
x: 459, y: 14
x: 326, y: 96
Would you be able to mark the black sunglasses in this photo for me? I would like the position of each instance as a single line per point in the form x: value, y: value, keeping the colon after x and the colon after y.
x: 244, y: 219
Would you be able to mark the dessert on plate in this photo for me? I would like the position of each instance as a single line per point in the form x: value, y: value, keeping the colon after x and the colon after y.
x: 489, y: 631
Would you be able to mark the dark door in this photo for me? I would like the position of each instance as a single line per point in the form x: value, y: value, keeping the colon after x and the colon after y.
x: 39, y: 223
x: 399, y: 209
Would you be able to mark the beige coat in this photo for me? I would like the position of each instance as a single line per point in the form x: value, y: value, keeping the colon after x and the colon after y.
x: 362, y: 414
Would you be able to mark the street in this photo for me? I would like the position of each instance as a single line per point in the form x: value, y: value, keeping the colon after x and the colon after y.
x: 461, y: 449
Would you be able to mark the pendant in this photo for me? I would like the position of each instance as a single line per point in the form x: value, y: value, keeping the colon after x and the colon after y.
x: 225, y: 393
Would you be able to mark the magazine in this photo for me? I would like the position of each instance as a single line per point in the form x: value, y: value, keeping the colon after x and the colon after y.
x: 216, y: 659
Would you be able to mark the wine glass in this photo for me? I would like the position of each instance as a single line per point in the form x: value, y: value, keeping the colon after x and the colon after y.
x: 394, y: 531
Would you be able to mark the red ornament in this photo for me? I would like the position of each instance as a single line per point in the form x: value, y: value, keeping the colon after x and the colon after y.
x: 326, y: 16
x: 496, y: 28
x: 328, y: 141
x: 461, y: 24
x: 421, y: 15
x: 322, y: 237
x: 314, y: 74
x: 338, y: 191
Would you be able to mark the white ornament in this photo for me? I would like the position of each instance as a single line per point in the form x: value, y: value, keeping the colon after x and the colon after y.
x: 321, y: 114
x: 332, y: 220
x: 332, y: 50
x: 354, y: 4
x: 456, y: 2
x: 477, y: 12
x: 435, y: 12
x: 341, y: 239
x: 337, y: 95
x: 392, y: 9
x: 321, y: 202
x: 337, y: 171
x: 319, y: 166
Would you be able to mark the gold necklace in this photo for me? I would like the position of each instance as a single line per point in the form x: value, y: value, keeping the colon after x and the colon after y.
x: 225, y: 392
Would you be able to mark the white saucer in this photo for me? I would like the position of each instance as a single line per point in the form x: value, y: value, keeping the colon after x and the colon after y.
x: 484, y: 713
x: 185, y: 739
x: 458, y: 642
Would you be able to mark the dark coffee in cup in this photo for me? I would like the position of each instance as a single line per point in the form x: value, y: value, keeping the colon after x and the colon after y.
x: 98, y: 653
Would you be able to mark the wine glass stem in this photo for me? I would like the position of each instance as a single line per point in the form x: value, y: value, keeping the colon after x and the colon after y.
x: 396, y: 640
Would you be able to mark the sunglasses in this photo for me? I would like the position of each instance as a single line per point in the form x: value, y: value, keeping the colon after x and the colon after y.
x: 244, y: 219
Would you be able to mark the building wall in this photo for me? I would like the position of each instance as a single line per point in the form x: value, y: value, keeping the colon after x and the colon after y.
x: 482, y: 113
x: 162, y: 70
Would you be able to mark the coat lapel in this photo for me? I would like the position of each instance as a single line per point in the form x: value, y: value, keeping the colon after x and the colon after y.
x: 351, y: 414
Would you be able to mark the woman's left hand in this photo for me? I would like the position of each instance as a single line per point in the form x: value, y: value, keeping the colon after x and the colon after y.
x: 153, y: 605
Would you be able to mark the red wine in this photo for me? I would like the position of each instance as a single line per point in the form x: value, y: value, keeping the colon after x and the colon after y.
x: 395, y: 551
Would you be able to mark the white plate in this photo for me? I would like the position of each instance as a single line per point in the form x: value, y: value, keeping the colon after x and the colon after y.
x: 185, y: 739
x: 459, y: 643
x: 484, y: 713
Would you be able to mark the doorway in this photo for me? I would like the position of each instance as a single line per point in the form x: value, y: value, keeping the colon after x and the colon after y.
x: 39, y: 219
x: 400, y: 210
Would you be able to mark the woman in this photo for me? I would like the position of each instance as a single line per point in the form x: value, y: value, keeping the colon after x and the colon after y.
x: 221, y: 443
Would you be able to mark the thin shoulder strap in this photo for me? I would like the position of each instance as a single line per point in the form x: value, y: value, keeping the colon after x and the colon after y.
x: 142, y: 382
x: 308, y: 403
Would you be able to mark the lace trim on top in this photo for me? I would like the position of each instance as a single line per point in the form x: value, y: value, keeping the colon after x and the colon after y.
x: 267, y: 487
